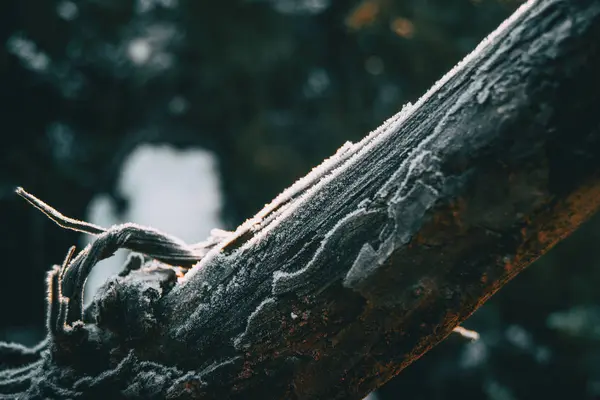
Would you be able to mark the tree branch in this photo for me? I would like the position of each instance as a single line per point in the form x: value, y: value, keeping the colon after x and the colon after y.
x: 374, y: 257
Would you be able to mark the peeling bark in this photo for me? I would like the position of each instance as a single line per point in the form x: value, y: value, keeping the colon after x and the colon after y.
x: 374, y: 257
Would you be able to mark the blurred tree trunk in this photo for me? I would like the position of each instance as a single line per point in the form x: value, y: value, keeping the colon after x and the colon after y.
x: 372, y: 259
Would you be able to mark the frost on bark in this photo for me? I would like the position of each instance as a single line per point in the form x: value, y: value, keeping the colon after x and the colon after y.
x: 374, y: 257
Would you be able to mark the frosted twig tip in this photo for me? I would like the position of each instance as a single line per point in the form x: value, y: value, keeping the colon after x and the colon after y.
x: 60, y: 219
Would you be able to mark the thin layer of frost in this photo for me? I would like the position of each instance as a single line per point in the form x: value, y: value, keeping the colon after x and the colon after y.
x: 348, y: 158
x: 216, y: 365
x: 286, y: 281
x: 254, y: 322
x: 421, y: 162
x: 406, y: 216
x: 283, y: 201
x: 310, y: 186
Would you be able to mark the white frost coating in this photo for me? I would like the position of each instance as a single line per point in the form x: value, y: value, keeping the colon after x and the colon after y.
x: 414, y: 165
x: 281, y: 276
x: 327, y: 176
x: 190, y: 324
x: 414, y: 211
x: 393, y: 123
x: 369, y: 259
x: 235, y: 283
x: 217, y: 293
x: 237, y: 342
x: 279, y: 202
x: 417, y: 161
x: 216, y: 365
x: 366, y: 262
x: 327, y: 166
x: 504, y: 26
x: 353, y: 153
x: 301, y: 184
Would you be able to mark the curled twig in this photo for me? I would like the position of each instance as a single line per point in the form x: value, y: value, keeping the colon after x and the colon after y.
x: 66, y: 283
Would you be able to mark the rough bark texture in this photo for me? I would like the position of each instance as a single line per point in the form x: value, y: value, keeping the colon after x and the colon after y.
x: 373, y: 258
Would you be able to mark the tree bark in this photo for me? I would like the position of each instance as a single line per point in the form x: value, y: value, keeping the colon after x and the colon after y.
x: 373, y: 258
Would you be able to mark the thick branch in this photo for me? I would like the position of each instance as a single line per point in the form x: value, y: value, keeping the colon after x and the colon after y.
x: 373, y: 258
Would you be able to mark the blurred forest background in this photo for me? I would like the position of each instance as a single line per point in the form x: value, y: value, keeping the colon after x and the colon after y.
x: 191, y: 114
